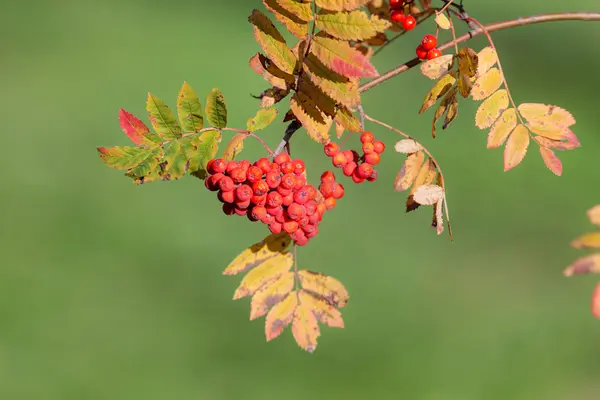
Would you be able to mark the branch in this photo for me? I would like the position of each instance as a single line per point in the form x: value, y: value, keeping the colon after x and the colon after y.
x: 289, y: 131
x: 496, y: 26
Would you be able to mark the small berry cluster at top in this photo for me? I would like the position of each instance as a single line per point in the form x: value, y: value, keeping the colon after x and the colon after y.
x: 427, y: 49
x: 359, y: 168
x: 397, y: 15
x: 275, y: 193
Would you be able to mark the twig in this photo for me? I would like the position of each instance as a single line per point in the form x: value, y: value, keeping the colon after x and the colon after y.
x: 290, y: 130
x: 361, y: 113
x: 496, y: 26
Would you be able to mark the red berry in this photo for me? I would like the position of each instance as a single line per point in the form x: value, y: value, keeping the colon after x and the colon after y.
x: 327, y: 189
x: 311, y: 207
x: 228, y: 208
x: 282, y: 158
x: 274, y: 199
x: 275, y: 227
x: 367, y: 137
x: 231, y: 165
x: 254, y: 174
x: 357, y: 178
x: 260, y: 188
x: 339, y: 160
x: 287, y: 200
x: 259, y: 212
x: 372, y: 158
x: 315, y: 218
x: 242, y: 205
x: 397, y: 16
x: 280, y: 218
x: 267, y: 219
x: 275, y: 211
x: 338, y: 191
x: 299, y: 166
x: 364, y: 170
x: 396, y: 3
x: 275, y: 167
x: 264, y: 164
x: 238, y: 175
x: 435, y: 53
x: 226, y: 184
x: 288, y: 181
x: 300, y: 182
x: 251, y: 217
x: 212, y: 182
x: 296, y: 211
x: 287, y: 167
x: 349, y: 168
x: 226, y: 197
x: 245, y: 164
x: 309, y: 228
x: 243, y: 193
x: 368, y: 147
x: 328, y: 176
x: 218, y: 165
x: 321, y: 207
x: 302, y: 196
x: 283, y: 191
x: 302, y: 241
x: 312, y: 192
x: 373, y: 176
x: 409, y: 23
x: 421, y: 52
x: 330, y: 203
x: 298, y: 235
x: 290, y: 226
x: 429, y: 42
x: 312, y: 234
x: 259, y: 200
x: 351, y: 155
x: 331, y: 149
x: 379, y: 146
x: 273, y: 179
x: 240, y: 211
x: 209, y: 168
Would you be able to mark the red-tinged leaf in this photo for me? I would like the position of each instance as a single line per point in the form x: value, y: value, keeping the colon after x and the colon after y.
x: 594, y: 215
x: 259, y: 252
x: 341, y: 5
x: 342, y: 58
x: 123, y: 157
x: 551, y: 160
x: 270, y: 294
x: 136, y: 130
x: 516, y: 147
x: 596, y: 302
x: 589, y: 240
x: 162, y: 118
x: 272, y: 43
x: 409, y: 171
x: 556, y: 144
x: 305, y: 327
x: 584, y: 265
x: 280, y: 316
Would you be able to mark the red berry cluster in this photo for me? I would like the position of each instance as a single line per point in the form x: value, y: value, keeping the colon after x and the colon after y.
x: 397, y: 15
x: 427, y: 49
x: 275, y: 193
x: 360, y: 168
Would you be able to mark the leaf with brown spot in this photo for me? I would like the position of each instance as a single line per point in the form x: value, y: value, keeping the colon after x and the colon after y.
x: 535, y: 112
x: 584, y: 265
x: 438, y: 90
x: 325, y: 312
x: 305, y: 327
x: 502, y: 128
x: 568, y: 144
x: 594, y: 215
x: 516, y: 147
x: 234, y: 147
x: 486, y: 84
x: 487, y: 58
x: 316, y: 123
x: 438, y: 217
x: 325, y: 286
x: 259, y: 252
x: 447, y: 101
x: 409, y: 171
x: 408, y: 146
x: 280, y: 316
x: 189, y: 109
x: 433, y: 69
x: 291, y: 18
x: 552, y: 162
x: 468, y: 61
x: 451, y: 113
x: 491, y: 108
x: 268, y: 270
x: 261, y: 120
x: 587, y: 241
x: 162, y: 118
x: 270, y: 294
x: 272, y: 43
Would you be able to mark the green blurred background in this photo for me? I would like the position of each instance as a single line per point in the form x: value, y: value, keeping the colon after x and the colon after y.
x: 113, y: 291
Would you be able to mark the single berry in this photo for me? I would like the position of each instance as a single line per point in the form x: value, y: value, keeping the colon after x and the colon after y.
x: 356, y: 178
x: 251, y: 217
x: 311, y: 207
x: 228, y: 209
x: 287, y: 200
x: 373, y: 176
x: 231, y: 165
x: 302, y: 196
x: 290, y: 226
x: 300, y: 182
x: 226, y: 184
x: 238, y: 175
x: 240, y: 211
x: 396, y: 3
x: 349, y: 168
x: 275, y: 167
x: 409, y: 23
x: 209, y: 167
x: 327, y: 189
x: 315, y: 218
x: 309, y: 228
x: 298, y: 235
x: 282, y: 158
x: 274, y: 199
x: 243, y: 193
x: 264, y: 164
x: 280, y: 218
x: 367, y: 137
x: 259, y: 200
x: 287, y: 167
x: 260, y: 188
x: 397, y: 16
x: 364, y: 170
x: 242, y: 205
x: 212, y: 182
x: 258, y: 212
x: 275, y: 227
x: 328, y: 176
x: 218, y: 165
x: 226, y: 197
x: 330, y: 203
x: 254, y: 174
x: 339, y: 160
x: 245, y: 164
x: 435, y: 53
x: 275, y: 211
x: 312, y: 234
x: 368, y: 147
x: 302, y: 222
x: 296, y: 211
x: 338, y: 191
x: 321, y: 208
x: 372, y: 158
x: 351, y: 155
x: 267, y: 219
x: 288, y: 181
x: 283, y: 191
x: 312, y: 192
x: 273, y: 179
x: 429, y: 42
x: 331, y: 149
x: 379, y: 146
x: 299, y: 166
x: 421, y: 52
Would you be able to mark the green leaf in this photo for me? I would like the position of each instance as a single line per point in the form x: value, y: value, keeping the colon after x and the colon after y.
x: 189, y: 109
x: 205, y: 148
x: 261, y: 120
x: 216, y: 110
x: 162, y: 118
x: 123, y: 157
x: 148, y: 170
x: 175, y: 161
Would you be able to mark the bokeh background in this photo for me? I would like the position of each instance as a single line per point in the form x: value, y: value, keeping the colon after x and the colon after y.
x: 114, y: 291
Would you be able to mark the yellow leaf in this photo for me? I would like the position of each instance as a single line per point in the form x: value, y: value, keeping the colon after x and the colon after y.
x: 325, y: 312
x: 486, y: 84
x: 428, y: 195
x: 552, y: 162
x: 271, y: 246
x: 346, y: 119
x: 257, y: 63
x: 464, y: 85
x: 548, y: 130
x: 300, y: 9
x: 584, y: 265
x: 502, y: 128
x: 272, y: 43
x: 353, y: 25
x: 437, y: 67
x: 305, y: 327
x: 487, y: 58
x: 408, y: 146
x: 442, y: 21
x: 316, y: 123
x: 535, y: 112
x: 516, y: 147
x: 569, y: 144
x: 588, y: 241
x: 440, y: 88
x: 290, y: 18
x: 340, y: 88
x: 234, y: 147
x: 467, y: 61
x: 408, y: 172
x: 268, y: 270
x: 594, y: 215
x: 270, y: 294
x: 325, y: 286
x: 280, y: 316
x: 341, y: 5
x: 426, y: 176
x: 492, y: 107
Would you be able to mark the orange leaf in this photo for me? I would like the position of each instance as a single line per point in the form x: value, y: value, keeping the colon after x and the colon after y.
x: 516, y: 147
x: 339, y: 56
x: 551, y: 160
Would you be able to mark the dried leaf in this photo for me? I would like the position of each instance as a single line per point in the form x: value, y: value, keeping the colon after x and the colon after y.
x: 502, y: 128
x: 516, y: 147
x: 584, y: 265
x: 534, y: 112
x: 552, y: 162
x: 433, y: 69
x: 408, y: 146
x: 438, y: 217
x: 428, y: 195
x: 280, y: 316
x: 594, y: 215
x: 438, y: 90
x: 409, y: 171
x: 341, y: 5
x: 426, y: 176
x: 587, y: 241
x: 492, y: 107
x: 487, y: 58
x: 451, y: 113
x: 189, y: 109
x: 340, y: 57
x: 325, y: 312
x: 486, y: 84
x: 464, y: 85
x: 216, y: 109
x: 442, y: 21
x: 136, y: 130
x: 162, y: 118
x: 259, y: 252
x: 325, y: 286
x: 292, y: 17
x: 234, y: 147
x: 468, y: 61
x: 261, y: 120
x: 272, y: 43
x: 270, y: 294
x: 305, y: 327
x: 268, y: 270
x: 353, y: 25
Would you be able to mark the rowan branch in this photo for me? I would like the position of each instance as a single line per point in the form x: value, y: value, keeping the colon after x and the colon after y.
x: 496, y: 26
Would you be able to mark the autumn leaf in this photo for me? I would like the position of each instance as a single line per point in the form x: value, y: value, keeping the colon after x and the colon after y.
x: 259, y: 252
x: 280, y: 316
x: 491, y: 108
x: 428, y: 195
x: 594, y: 215
x: 261, y: 120
x: 189, y: 109
x: 147, y: 170
x: 272, y: 43
x: 486, y: 84
x: 325, y: 312
x: 257, y: 63
x: 206, y: 146
x: 468, y: 61
x: 162, y: 118
x: 341, y: 5
x: 354, y: 25
x: 534, y: 112
x: 340, y: 57
x: 136, y: 130
x: 316, y: 123
x: 409, y: 171
x: 268, y: 270
x: 516, y: 147
x: 433, y: 69
x: 440, y: 88
x: 216, y: 109
x: 486, y: 59
x: 270, y: 294
x: 548, y: 130
x: 234, y: 147
x: 502, y: 128
x: 291, y: 13
x: 596, y: 302
x: 426, y: 176
x: 585, y: 265
x: 325, y: 286
x: 588, y: 241
x: 123, y: 157
x: 347, y: 120
x: 552, y: 162
x: 442, y: 21
x: 408, y: 146
x: 305, y: 327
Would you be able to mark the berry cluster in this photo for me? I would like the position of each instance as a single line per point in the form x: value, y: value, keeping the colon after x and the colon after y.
x: 360, y: 168
x: 275, y: 193
x: 427, y: 49
x: 397, y: 15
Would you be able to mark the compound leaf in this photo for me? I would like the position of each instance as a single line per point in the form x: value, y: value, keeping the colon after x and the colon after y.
x: 516, y: 147
x: 189, y: 109
x: 354, y: 25
x: 136, y: 130
x: 339, y: 56
x: 552, y: 162
x: 270, y: 246
x: 280, y: 316
x: 486, y: 84
x: 261, y: 120
x: 502, y: 128
x: 268, y: 270
x: 272, y: 43
x: 271, y: 294
x: 162, y: 118
x: 492, y: 107
x: 216, y: 109
x: 325, y: 286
